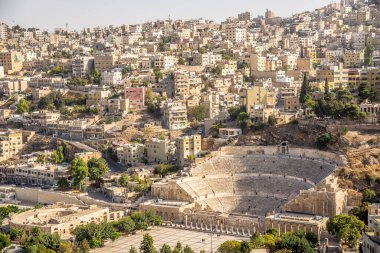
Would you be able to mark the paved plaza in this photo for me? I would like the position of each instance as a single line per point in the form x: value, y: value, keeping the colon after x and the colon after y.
x: 169, y: 236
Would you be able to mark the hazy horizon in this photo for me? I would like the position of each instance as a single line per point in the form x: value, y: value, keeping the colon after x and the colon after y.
x: 50, y: 14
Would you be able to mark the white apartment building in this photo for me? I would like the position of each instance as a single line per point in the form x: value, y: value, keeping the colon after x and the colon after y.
x: 236, y: 35
x: 165, y: 62
x: 3, y: 32
x: 113, y: 77
x: 258, y: 62
x: 206, y: 59
x: 175, y: 115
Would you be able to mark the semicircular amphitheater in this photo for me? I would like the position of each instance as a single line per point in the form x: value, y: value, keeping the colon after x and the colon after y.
x: 255, y: 183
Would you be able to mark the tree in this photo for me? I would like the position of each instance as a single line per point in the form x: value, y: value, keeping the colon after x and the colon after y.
x: 305, y: 88
x: 181, y: 61
x: 83, y: 247
x: 65, y: 247
x: 158, y: 74
x: 245, y: 247
x: 347, y: 228
x: 326, y: 87
x: 197, y: 113
x: 57, y: 155
x: 132, y: 250
x: 235, y: 111
x: 217, y: 71
x: 97, y: 77
x: 368, y: 55
x: 147, y: 245
x: 297, y: 244
x: 325, y: 139
x: 272, y: 120
x: 165, y: 249
x: 97, y: 168
x: 22, y: 106
x: 42, y: 159
x: 123, y: 180
x: 78, y: 171
x: 125, y: 225
x: 231, y: 246
x: 243, y: 120
x: 43, y: 103
x: 364, y: 91
x: 4, y: 241
x: 63, y: 183
x: 178, y: 248
x: 369, y: 196
x: 188, y: 249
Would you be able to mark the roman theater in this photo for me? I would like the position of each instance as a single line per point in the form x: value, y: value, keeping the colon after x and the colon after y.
x: 245, y: 189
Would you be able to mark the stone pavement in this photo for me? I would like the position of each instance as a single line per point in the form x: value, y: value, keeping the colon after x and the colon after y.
x: 169, y: 236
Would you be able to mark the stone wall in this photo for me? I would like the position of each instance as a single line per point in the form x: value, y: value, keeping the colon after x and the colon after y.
x: 45, y: 197
x: 326, y: 200
x: 270, y: 150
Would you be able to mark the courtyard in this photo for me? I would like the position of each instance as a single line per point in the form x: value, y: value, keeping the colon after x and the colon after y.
x: 196, y: 240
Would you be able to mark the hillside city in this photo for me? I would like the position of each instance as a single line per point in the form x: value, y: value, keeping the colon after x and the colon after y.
x: 254, y: 134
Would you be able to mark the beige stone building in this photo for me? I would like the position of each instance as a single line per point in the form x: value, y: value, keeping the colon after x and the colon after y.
x: 11, y: 143
x: 104, y: 61
x: 118, y: 106
x: 62, y: 219
x: 11, y: 61
x: 131, y: 154
x: 371, y: 76
x: 291, y: 104
x: 188, y: 146
x: 353, y: 58
x: 256, y: 96
x: 327, y: 200
x: 39, y: 174
x: 12, y: 86
x: 157, y: 151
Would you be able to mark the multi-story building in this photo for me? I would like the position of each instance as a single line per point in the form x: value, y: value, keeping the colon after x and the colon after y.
x: 39, y: 174
x: 353, y: 58
x: 291, y: 104
x: 256, y: 96
x: 206, y: 59
x: 258, y: 62
x: 157, y: 151
x: 82, y: 66
x: 165, y: 62
x: 246, y: 16
x: 371, y: 76
x: 236, y: 35
x: 11, y: 143
x: 113, y: 77
x: 371, y: 238
x: 11, y: 61
x: 175, y: 115
x: 188, y: 146
x: 61, y: 219
x: 12, y: 86
x: 118, y: 106
x: 131, y: 154
x: 136, y: 96
x: 3, y: 32
x: 104, y: 61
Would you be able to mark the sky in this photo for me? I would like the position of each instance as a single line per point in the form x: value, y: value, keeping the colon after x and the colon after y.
x: 50, y: 14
